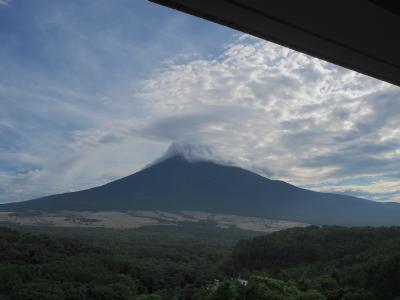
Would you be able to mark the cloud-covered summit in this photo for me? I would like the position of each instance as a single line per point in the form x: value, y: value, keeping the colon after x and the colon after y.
x: 193, y: 152
x: 303, y: 120
x: 190, y: 152
x: 108, y: 108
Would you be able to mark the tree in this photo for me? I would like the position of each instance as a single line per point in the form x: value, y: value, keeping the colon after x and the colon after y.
x: 224, y: 291
x: 149, y: 297
x: 265, y: 288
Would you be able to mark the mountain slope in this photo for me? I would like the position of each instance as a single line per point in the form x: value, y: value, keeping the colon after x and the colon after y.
x: 176, y: 184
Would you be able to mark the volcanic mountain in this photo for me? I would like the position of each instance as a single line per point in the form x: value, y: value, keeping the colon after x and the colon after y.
x: 176, y: 184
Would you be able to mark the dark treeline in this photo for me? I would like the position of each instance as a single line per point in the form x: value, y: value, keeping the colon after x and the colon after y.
x: 340, y: 263
x: 200, y: 263
x: 104, y: 264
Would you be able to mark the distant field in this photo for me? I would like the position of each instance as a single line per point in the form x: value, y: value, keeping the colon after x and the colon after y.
x: 137, y: 219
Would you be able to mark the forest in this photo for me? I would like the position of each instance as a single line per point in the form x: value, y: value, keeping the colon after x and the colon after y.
x: 199, y: 261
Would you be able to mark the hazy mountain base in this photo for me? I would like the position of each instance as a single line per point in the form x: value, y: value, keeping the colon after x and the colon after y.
x: 140, y: 218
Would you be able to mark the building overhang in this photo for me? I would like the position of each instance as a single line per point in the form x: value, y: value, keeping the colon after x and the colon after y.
x: 360, y: 35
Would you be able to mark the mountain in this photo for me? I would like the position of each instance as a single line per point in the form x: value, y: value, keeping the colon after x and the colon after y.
x: 176, y: 184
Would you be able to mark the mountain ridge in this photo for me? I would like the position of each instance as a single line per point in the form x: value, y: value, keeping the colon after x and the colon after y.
x: 175, y: 184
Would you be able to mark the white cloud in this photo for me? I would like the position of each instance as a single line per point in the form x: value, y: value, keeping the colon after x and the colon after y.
x: 4, y: 2
x: 379, y: 190
x: 304, y: 120
x: 261, y: 106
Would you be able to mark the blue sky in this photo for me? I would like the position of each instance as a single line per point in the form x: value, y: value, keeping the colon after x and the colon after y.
x: 91, y: 91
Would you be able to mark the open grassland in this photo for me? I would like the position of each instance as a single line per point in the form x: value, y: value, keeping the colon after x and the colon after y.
x: 137, y: 219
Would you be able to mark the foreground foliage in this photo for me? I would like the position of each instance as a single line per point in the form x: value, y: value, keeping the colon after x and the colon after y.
x: 172, y: 262
x: 199, y: 263
x: 341, y: 263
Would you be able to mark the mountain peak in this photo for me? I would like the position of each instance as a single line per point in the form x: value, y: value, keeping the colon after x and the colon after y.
x: 192, y: 153
x: 191, y: 178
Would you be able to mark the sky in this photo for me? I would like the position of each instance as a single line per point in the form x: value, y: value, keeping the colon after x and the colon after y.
x: 91, y: 91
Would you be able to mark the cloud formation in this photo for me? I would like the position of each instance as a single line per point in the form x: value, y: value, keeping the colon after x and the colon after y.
x: 251, y: 103
x: 68, y: 119
x: 266, y: 107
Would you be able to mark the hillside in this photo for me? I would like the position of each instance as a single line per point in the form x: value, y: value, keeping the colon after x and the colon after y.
x: 175, y: 184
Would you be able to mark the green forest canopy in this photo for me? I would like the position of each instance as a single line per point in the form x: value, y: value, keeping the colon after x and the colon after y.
x: 200, y: 262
